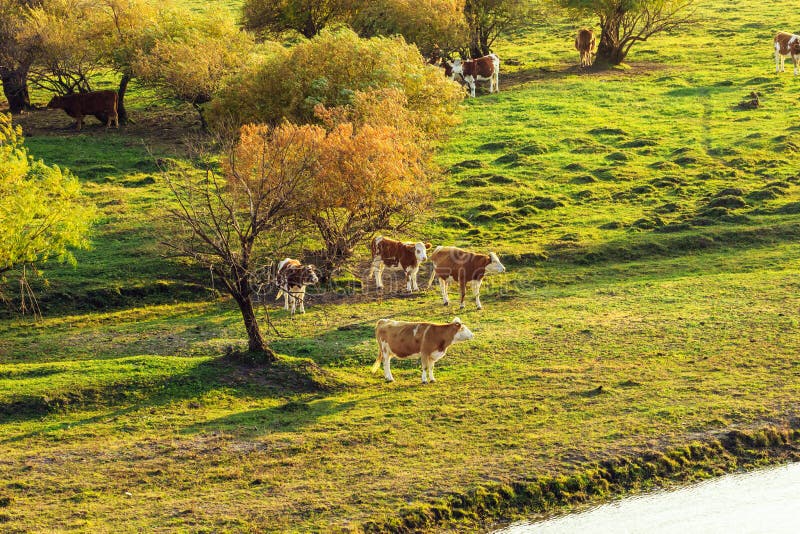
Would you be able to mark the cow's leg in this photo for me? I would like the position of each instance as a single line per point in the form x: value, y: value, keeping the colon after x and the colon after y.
x: 424, y: 362
x: 443, y: 286
x: 379, y: 276
x: 796, y: 61
x: 387, y: 361
x: 376, y: 269
x: 472, y: 88
x: 433, y: 275
x: 431, y: 379
x: 408, y: 271
x: 302, y: 298
x: 414, y: 274
x: 476, y: 290
x: 78, y: 123
x: 462, y: 286
x: 293, y: 296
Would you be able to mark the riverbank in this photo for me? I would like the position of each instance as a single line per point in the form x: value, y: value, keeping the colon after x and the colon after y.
x: 491, y: 505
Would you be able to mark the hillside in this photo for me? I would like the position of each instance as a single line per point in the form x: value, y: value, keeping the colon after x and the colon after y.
x: 650, y: 229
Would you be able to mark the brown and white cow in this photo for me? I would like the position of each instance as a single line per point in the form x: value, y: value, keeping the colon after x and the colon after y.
x: 786, y: 44
x: 428, y: 341
x: 390, y: 253
x: 455, y: 264
x: 472, y: 70
x: 292, y: 278
x: 101, y: 104
x: 585, y: 44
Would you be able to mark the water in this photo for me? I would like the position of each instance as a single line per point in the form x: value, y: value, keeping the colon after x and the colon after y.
x: 761, y: 502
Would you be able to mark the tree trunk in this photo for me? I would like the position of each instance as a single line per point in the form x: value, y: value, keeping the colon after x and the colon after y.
x: 15, y: 88
x: 122, y: 113
x: 610, y: 51
x: 255, y: 341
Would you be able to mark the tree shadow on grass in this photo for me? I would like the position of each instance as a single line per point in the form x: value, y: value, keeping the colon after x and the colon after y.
x: 290, y: 416
x: 242, y: 379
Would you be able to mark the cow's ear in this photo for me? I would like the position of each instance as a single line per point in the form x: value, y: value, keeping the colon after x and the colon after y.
x: 428, y: 246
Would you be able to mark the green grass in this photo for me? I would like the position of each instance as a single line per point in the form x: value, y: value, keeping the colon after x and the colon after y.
x: 651, y: 234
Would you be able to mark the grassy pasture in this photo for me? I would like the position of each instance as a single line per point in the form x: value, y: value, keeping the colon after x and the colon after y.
x: 651, y: 234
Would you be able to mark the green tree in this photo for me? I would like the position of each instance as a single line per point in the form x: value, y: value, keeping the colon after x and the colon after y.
x: 43, y: 214
x: 435, y: 26
x: 623, y: 23
x: 307, y: 17
x: 329, y: 69
x: 191, y: 55
x: 488, y: 19
x: 16, y: 53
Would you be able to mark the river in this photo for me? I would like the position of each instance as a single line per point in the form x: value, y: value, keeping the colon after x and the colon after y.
x: 766, y: 501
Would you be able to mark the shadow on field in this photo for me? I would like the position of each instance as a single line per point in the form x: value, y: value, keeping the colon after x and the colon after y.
x: 243, y: 379
x: 288, y: 417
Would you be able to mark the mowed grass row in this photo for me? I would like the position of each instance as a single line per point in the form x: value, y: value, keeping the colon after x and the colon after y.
x: 665, y: 312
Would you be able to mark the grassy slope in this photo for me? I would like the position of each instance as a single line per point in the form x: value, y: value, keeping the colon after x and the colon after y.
x: 688, y: 331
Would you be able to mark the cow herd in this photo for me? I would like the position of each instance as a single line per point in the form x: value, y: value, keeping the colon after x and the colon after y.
x: 402, y: 339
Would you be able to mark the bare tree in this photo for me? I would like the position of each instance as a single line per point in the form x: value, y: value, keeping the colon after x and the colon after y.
x: 233, y: 223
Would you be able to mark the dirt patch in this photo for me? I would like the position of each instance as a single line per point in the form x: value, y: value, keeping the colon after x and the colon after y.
x: 174, y: 128
x: 638, y: 68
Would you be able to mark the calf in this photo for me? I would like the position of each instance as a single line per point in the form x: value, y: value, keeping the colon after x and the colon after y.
x: 786, y: 44
x: 472, y: 70
x: 391, y: 253
x: 428, y: 341
x: 101, y: 104
x: 451, y: 263
x: 292, y: 279
x: 585, y: 44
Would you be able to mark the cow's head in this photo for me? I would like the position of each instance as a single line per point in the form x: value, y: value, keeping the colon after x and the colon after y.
x: 463, y: 333
x: 308, y: 275
x: 420, y: 251
x: 55, y: 103
x: 795, y: 47
x: 456, y: 69
x: 495, y: 267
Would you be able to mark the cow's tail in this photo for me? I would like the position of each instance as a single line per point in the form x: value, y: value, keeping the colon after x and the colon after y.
x: 377, y: 364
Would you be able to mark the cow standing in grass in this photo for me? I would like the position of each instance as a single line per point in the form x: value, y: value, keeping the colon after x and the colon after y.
x: 391, y: 253
x: 427, y: 341
x: 101, y: 104
x: 786, y: 44
x: 455, y: 264
x: 292, y: 279
x: 585, y: 44
x: 474, y: 70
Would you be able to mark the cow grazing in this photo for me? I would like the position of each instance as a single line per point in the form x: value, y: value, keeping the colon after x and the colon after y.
x: 101, y: 104
x: 472, y: 70
x: 585, y: 44
x: 292, y: 279
x: 451, y: 263
x: 427, y: 341
x: 786, y: 44
x: 390, y: 253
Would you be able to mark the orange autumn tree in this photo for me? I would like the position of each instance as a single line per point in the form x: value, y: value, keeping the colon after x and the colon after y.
x: 373, y: 173
x: 236, y: 223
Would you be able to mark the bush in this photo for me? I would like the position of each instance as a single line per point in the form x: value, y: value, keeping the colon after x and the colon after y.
x: 328, y: 70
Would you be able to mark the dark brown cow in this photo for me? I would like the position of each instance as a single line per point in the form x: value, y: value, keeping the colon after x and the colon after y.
x: 483, y: 68
x: 390, y: 253
x: 292, y: 279
x: 98, y: 103
x: 451, y: 263
x: 786, y: 44
x: 585, y: 44
x: 427, y: 341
